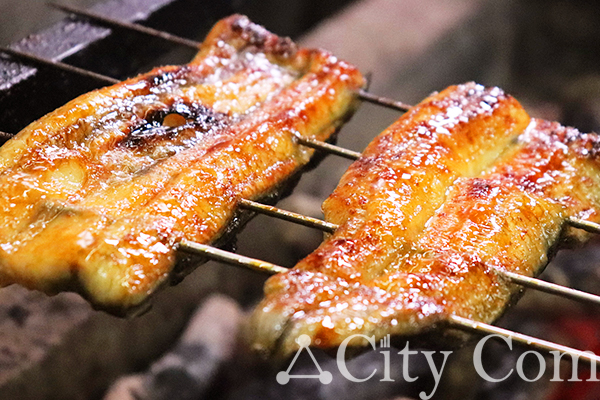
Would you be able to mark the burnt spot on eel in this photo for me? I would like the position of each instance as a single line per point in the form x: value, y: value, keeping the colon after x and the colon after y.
x: 168, y: 123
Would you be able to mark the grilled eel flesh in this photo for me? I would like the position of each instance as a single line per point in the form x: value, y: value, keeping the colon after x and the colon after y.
x: 423, y: 217
x: 511, y: 217
x: 97, y: 194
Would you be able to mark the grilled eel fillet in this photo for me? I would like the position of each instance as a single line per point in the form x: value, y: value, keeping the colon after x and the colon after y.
x: 384, y: 200
x: 511, y: 218
x: 96, y: 194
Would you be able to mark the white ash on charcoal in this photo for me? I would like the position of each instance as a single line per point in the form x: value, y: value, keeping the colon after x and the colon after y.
x: 54, y: 347
x: 130, y: 387
x: 189, y: 369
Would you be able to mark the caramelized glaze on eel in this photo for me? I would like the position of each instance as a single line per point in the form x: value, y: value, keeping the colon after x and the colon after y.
x: 97, y: 193
x: 424, y: 217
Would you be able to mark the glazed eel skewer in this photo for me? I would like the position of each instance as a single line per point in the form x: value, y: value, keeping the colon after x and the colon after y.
x: 97, y: 194
x: 507, y: 219
x: 326, y: 226
x: 385, y: 198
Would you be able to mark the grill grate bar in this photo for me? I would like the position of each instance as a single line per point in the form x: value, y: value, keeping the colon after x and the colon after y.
x: 126, y: 25
x: 328, y: 148
x: 287, y: 215
x: 57, y: 64
x: 481, y: 328
x: 383, y: 101
x: 549, y: 287
x: 230, y: 258
x: 582, y: 224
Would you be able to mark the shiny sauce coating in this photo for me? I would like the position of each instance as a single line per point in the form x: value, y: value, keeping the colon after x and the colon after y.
x: 97, y: 194
x: 508, y: 216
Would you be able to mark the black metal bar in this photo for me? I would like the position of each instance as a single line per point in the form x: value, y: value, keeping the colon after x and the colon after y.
x: 126, y: 25
x: 58, y: 64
